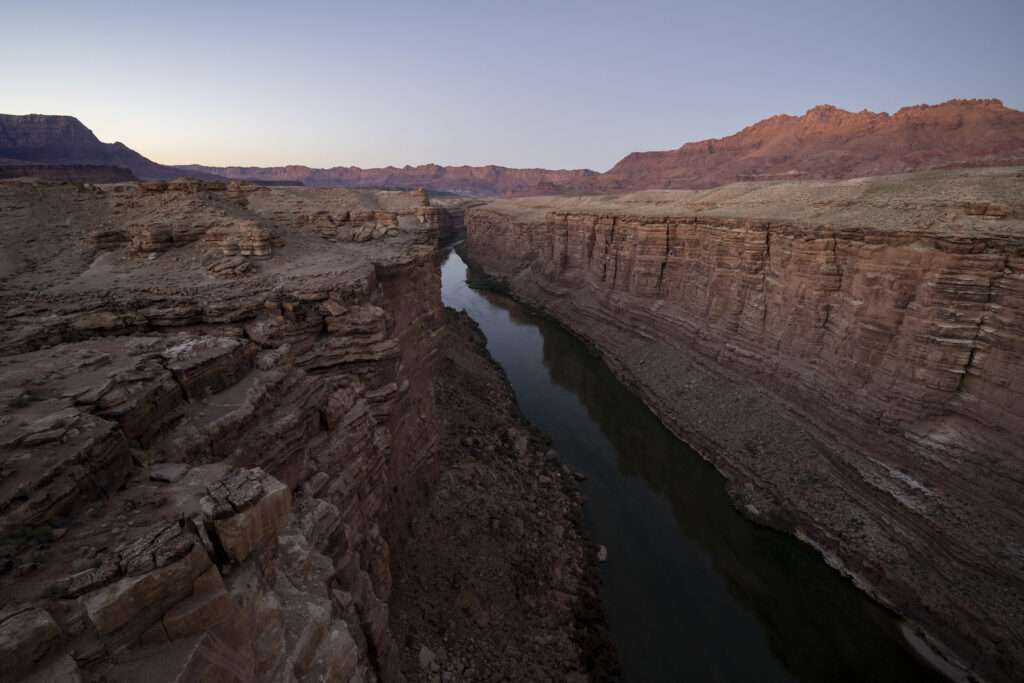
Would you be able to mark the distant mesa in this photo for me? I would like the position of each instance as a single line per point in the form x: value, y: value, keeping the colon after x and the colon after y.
x: 825, y: 143
x: 831, y: 143
x: 470, y: 181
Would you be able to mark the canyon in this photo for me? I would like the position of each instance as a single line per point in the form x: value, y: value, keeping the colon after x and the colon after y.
x: 241, y: 438
x: 849, y: 354
x: 237, y: 428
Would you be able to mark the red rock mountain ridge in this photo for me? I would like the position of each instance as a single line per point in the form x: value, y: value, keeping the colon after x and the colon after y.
x: 828, y: 142
x: 480, y: 181
x: 64, y: 140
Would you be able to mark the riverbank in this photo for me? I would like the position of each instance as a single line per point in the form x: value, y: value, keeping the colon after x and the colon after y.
x: 498, y: 578
x: 840, y: 351
x: 693, y: 590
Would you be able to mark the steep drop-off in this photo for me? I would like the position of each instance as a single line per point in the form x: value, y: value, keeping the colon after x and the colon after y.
x: 218, y: 423
x: 849, y: 354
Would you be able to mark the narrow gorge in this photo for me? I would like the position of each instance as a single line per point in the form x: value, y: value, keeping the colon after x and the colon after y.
x: 227, y: 409
x: 849, y: 354
x: 243, y: 439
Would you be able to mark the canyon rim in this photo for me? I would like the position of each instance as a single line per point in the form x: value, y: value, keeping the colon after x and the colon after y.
x: 242, y: 438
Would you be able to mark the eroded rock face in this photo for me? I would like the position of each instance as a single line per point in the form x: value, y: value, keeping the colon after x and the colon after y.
x: 244, y: 509
x: 828, y: 142
x: 201, y: 475
x: 849, y: 354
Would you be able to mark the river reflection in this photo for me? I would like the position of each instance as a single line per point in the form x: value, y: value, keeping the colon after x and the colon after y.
x: 693, y: 590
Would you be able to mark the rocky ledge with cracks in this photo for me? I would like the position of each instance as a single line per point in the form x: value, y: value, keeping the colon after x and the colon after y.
x: 203, y: 468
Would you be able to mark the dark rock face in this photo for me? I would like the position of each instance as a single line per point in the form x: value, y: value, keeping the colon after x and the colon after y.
x: 69, y: 173
x: 853, y: 371
x: 63, y: 140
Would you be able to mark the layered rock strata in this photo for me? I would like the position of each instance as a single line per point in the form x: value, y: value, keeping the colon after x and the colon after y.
x: 829, y: 142
x: 202, y: 468
x: 451, y: 217
x: 849, y: 354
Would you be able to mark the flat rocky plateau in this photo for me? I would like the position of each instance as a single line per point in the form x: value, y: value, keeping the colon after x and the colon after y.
x: 236, y: 443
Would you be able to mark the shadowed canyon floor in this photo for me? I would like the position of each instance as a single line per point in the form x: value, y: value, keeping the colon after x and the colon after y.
x: 848, y: 353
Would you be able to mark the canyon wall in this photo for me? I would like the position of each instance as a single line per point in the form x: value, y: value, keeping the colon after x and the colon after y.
x: 850, y: 355
x: 218, y: 413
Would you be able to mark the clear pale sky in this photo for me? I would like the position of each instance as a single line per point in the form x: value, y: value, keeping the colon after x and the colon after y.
x: 524, y: 84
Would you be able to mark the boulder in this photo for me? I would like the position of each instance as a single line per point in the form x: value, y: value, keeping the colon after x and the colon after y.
x: 243, y: 509
x: 26, y: 637
x: 132, y: 604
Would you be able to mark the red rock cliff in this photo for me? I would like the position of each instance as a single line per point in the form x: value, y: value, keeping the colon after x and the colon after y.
x: 828, y: 142
x: 850, y: 355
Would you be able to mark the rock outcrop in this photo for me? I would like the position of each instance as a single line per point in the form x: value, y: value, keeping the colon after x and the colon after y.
x: 826, y: 142
x: 201, y: 472
x: 849, y: 354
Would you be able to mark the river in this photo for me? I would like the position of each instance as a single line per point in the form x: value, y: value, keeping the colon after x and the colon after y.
x: 692, y: 589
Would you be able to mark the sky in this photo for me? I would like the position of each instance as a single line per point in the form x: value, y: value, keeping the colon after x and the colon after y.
x: 524, y: 84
